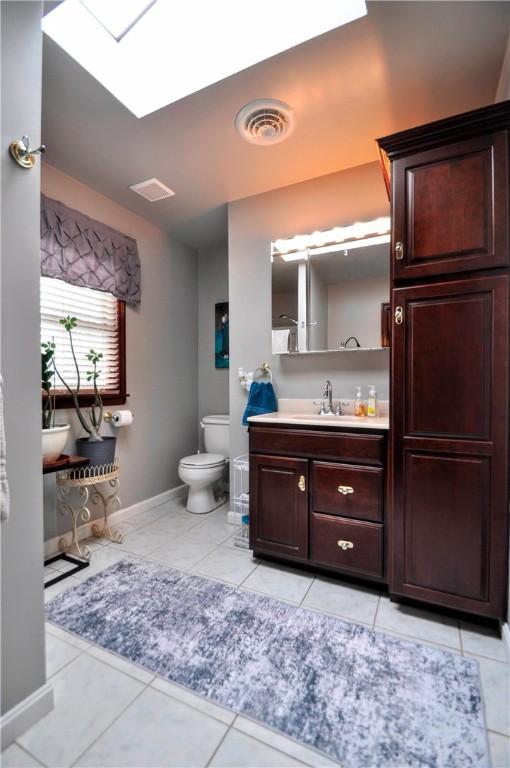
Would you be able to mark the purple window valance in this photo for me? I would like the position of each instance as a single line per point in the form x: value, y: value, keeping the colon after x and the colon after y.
x: 85, y: 252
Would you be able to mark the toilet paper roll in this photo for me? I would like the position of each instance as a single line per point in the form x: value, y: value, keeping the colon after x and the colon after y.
x: 122, y: 418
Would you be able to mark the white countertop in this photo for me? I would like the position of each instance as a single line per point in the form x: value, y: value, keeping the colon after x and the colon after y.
x: 309, y: 419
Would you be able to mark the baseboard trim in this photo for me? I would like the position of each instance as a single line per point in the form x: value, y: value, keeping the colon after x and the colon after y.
x: 505, y: 634
x: 21, y: 717
x: 85, y: 531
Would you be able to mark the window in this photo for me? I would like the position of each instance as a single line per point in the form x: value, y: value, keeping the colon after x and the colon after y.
x: 101, y: 326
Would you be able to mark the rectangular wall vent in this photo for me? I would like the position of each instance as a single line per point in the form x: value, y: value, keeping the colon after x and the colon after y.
x: 152, y: 190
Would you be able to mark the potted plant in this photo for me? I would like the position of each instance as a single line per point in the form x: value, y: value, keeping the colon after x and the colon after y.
x: 98, y: 449
x: 54, y: 436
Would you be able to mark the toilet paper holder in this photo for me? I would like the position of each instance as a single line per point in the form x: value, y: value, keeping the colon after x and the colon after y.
x: 108, y: 418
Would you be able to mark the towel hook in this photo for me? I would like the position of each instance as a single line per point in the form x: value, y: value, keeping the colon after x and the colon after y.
x: 22, y: 153
x: 265, y: 370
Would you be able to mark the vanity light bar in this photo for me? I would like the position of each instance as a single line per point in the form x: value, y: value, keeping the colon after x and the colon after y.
x: 349, y: 246
x: 357, y: 231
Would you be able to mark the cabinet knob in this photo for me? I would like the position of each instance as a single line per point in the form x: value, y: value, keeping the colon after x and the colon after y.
x: 345, y: 544
x: 399, y: 251
x: 399, y: 315
x: 345, y: 489
x: 302, y: 483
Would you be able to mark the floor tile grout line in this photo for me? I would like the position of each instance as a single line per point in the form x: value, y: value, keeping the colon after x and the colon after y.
x: 148, y: 555
x: 499, y: 733
x: 80, y: 653
x: 218, y: 746
x: 37, y: 759
x: 124, y: 658
x: 205, y: 556
x: 307, y: 591
x: 415, y: 639
x: 278, y: 749
x: 341, y: 616
x: 461, y: 644
x: 286, y: 736
x: 192, y: 706
x: 376, y: 611
x: 471, y: 655
x: 286, y: 600
x: 94, y: 741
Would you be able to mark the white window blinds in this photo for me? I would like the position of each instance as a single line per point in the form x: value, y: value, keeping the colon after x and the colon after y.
x: 97, y: 328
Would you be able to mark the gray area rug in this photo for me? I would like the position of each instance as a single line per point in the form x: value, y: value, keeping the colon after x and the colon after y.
x: 361, y: 697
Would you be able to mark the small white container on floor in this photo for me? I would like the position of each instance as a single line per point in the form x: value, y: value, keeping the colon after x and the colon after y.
x: 241, y: 501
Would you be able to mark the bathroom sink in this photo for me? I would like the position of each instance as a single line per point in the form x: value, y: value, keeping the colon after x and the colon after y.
x: 328, y: 417
x: 315, y: 419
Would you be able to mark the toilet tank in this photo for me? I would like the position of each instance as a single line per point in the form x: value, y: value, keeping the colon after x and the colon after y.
x: 216, y: 434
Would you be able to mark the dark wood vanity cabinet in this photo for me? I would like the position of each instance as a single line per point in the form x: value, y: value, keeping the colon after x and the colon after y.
x: 448, y: 514
x: 318, y: 496
x: 450, y: 204
x: 450, y: 384
x: 279, y: 505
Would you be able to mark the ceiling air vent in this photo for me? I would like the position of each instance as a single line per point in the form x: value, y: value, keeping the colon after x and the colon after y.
x: 152, y: 190
x: 265, y: 121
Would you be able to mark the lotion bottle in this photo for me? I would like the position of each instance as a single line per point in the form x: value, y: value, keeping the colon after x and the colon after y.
x: 359, y: 407
x: 372, y: 401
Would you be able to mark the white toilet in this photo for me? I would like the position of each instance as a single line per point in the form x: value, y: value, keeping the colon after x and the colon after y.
x: 202, y: 471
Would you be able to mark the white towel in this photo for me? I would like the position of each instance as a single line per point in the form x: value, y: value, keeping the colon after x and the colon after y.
x: 4, y: 485
x: 280, y: 341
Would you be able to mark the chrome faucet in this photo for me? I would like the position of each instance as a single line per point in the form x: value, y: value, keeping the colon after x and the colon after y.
x: 328, y: 393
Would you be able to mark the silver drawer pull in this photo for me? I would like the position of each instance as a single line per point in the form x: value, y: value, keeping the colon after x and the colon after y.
x: 345, y: 544
x: 345, y: 489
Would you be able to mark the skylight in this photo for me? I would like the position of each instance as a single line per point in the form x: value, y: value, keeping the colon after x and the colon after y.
x: 150, y: 54
x: 118, y: 16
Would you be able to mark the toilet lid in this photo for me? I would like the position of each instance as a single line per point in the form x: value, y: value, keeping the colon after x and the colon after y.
x: 216, y: 418
x: 203, y: 460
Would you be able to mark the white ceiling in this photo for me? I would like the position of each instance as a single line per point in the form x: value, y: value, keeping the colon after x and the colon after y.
x: 404, y: 64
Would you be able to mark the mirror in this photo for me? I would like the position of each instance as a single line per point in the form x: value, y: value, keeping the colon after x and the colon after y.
x: 332, y: 298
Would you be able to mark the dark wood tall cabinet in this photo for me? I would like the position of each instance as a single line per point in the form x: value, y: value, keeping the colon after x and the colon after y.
x: 448, y: 532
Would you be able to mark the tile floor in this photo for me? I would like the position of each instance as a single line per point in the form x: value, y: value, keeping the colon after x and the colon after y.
x: 109, y: 712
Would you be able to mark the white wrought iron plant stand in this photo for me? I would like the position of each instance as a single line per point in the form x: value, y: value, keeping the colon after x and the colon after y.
x: 86, y: 481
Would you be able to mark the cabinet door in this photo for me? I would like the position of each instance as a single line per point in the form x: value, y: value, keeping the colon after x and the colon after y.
x: 449, y: 444
x: 450, y: 208
x: 279, y: 506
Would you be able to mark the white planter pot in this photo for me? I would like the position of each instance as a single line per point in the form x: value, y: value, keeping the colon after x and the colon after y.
x: 53, y: 441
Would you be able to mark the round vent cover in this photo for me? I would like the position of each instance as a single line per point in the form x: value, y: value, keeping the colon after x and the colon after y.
x: 265, y: 121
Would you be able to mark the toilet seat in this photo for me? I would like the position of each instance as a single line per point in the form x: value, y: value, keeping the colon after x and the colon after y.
x: 203, y: 460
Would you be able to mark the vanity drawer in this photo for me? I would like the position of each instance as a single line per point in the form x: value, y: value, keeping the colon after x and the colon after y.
x: 321, y: 444
x: 347, y: 490
x: 362, y: 551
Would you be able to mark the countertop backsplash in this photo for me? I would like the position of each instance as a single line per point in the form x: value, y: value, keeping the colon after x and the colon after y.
x: 307, y: 405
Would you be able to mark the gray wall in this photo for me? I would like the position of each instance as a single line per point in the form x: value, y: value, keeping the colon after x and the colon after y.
x: 22, y: 629
x: 212, y: 288
x: 161, y: 338
x: 503, y: 89
x: 356, y: 194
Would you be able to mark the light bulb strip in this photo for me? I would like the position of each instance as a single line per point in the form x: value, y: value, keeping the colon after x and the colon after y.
x: 357, y: 231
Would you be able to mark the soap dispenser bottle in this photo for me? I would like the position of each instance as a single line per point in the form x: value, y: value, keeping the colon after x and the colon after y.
x: 372, y: 401
x: 359, y: 406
